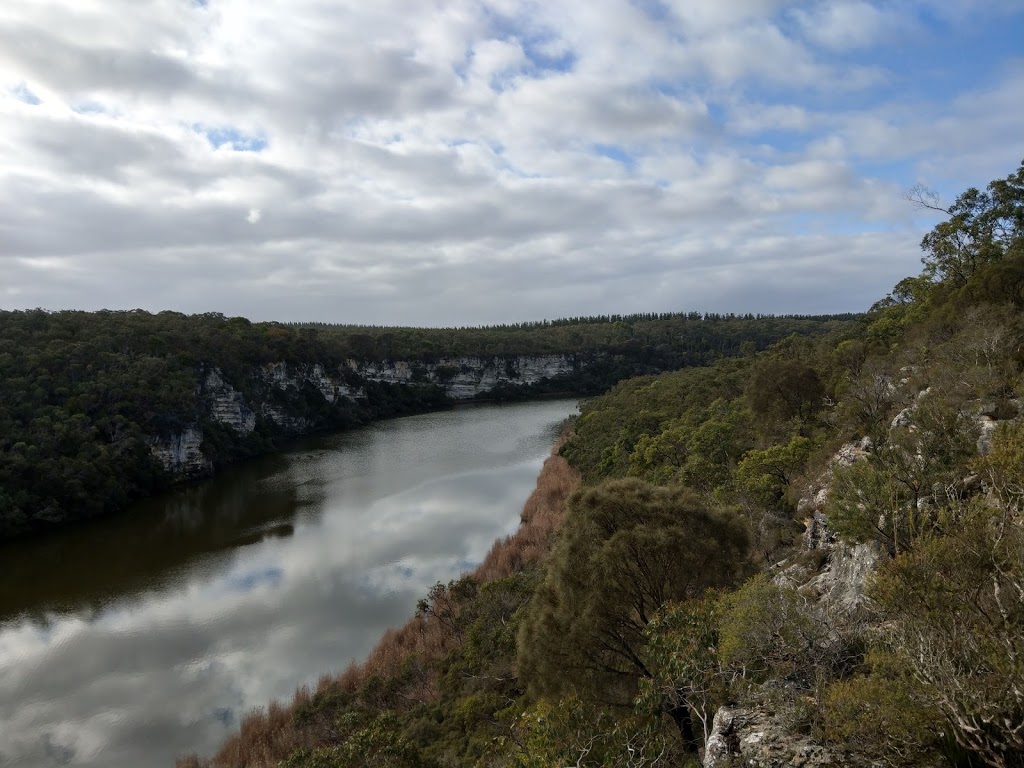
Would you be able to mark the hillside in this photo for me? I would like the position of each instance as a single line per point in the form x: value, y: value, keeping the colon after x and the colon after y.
x: 809, y: 556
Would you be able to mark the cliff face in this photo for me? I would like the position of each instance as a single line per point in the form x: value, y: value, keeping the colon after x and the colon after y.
x: 465, y: 378
x: 281, y: 399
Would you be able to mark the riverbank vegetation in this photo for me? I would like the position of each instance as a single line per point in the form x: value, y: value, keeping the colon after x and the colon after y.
x: 824, y: 538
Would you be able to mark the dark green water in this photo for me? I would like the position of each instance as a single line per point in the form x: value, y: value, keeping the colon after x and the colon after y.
x: 129, y: 641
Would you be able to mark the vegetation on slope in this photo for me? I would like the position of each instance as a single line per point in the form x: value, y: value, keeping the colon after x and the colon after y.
x: 618, y: 646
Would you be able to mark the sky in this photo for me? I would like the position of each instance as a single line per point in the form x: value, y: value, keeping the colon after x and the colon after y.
x: 463, y: 162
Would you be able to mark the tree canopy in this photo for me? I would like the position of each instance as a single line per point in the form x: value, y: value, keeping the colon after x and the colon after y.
x: 627, y: 548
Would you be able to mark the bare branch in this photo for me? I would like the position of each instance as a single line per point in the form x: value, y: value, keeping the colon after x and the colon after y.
x: 923, y: 198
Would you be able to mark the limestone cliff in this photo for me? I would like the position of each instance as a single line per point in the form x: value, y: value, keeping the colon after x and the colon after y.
x: 465, y: 378
x: 285, y: 400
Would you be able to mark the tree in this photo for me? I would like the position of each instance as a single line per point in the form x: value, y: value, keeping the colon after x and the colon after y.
x: 765, y: 475
x: 953, y: 612
x: 784, y: 390
x: 683, y: 655
x: 912, y: 484
x: 982, y: 228
x: 627, y: 548
x: 886, y: 716
x: 571, y: 732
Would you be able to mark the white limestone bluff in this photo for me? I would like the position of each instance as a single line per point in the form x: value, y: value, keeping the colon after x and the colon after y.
x: 273, y: 395
x: 465, y: 378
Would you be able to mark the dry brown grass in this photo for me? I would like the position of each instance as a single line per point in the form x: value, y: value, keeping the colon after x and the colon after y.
x: 268, y: 735
x: 541, y: 517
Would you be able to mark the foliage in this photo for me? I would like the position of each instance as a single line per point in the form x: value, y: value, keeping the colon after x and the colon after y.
x: 1003, y: 468
x: 572, y: 732
x: 627, y: 548
x: 766, y: 475
x: 885, y: 715
x: 785, y: 389
x: 683, y: 658
x: 982, y: 228
x: 767, y: 633
x: 911, y: 485
x: 659, y: 341
x: 954, y: 613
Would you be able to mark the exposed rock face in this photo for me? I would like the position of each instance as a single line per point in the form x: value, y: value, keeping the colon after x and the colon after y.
x: 219, y: 400
x: 280, y: 417
x: 833, y: 582
x: 467, y: 377
x: 226, y: 404
x: 816, y: 495
x: 746, y: 737
x: 270, y: 391
x: 903, y: 419
x: 332, y: 388
x: 839, y: 587
x: 987, y: 430
x: 988, y: 417
x: 181, y: 454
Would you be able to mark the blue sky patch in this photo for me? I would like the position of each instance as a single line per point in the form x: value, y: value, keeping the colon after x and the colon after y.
x: 616, y: 153
x: 233, y: 138
x: 246, y: 582
x: 24, y: 94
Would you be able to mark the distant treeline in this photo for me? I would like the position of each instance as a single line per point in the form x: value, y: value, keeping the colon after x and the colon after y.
x: 674, y: 339
x: 634, y: 317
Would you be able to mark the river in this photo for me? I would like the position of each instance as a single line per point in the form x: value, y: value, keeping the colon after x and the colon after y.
x: 128, y: 641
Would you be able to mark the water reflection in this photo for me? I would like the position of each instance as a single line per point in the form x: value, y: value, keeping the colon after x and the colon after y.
x: 129, y: 641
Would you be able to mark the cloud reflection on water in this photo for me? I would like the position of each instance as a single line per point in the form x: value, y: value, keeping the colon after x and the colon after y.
x: 143, y: 663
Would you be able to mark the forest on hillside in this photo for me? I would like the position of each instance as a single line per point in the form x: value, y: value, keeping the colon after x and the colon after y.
x: 83, y: 395
x: 825, y: 539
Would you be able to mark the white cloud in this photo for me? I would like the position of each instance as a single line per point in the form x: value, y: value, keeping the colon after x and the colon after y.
x: 849, y: 24
x: 475, y: 147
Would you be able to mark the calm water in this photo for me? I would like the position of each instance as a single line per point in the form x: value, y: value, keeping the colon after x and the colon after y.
x: 127, y: 642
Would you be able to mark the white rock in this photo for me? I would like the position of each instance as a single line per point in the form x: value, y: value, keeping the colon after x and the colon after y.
x: 181, y: 454
x: 474, y: 376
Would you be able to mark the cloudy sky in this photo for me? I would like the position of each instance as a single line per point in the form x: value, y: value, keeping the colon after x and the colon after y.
x: 473, y: 161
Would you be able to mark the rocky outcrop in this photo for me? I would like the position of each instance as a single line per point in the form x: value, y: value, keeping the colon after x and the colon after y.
x: 277, y: 395
x: 465, y: 378
x: 182, y: 454
x: 837, y: 585
x: 839, y: 588
x: 815, y: 496
x: 269, y: 391
x: 832, y: 578
x: 226, y: 404
x: 283, y: 378
x: 756, y: 739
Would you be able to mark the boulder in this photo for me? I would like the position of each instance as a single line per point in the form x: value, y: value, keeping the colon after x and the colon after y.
x: 748, y: 737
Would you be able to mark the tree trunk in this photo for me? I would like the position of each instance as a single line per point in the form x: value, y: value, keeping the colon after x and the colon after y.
x: 684, y: 722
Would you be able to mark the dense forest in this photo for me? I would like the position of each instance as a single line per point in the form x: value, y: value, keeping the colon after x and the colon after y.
x: 83, y: 396
x: 822, y: 543
x: 664, y: 340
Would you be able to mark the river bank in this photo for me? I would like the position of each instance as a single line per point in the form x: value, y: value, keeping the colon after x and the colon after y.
x: 426, y: 642
x: 137, y: 638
